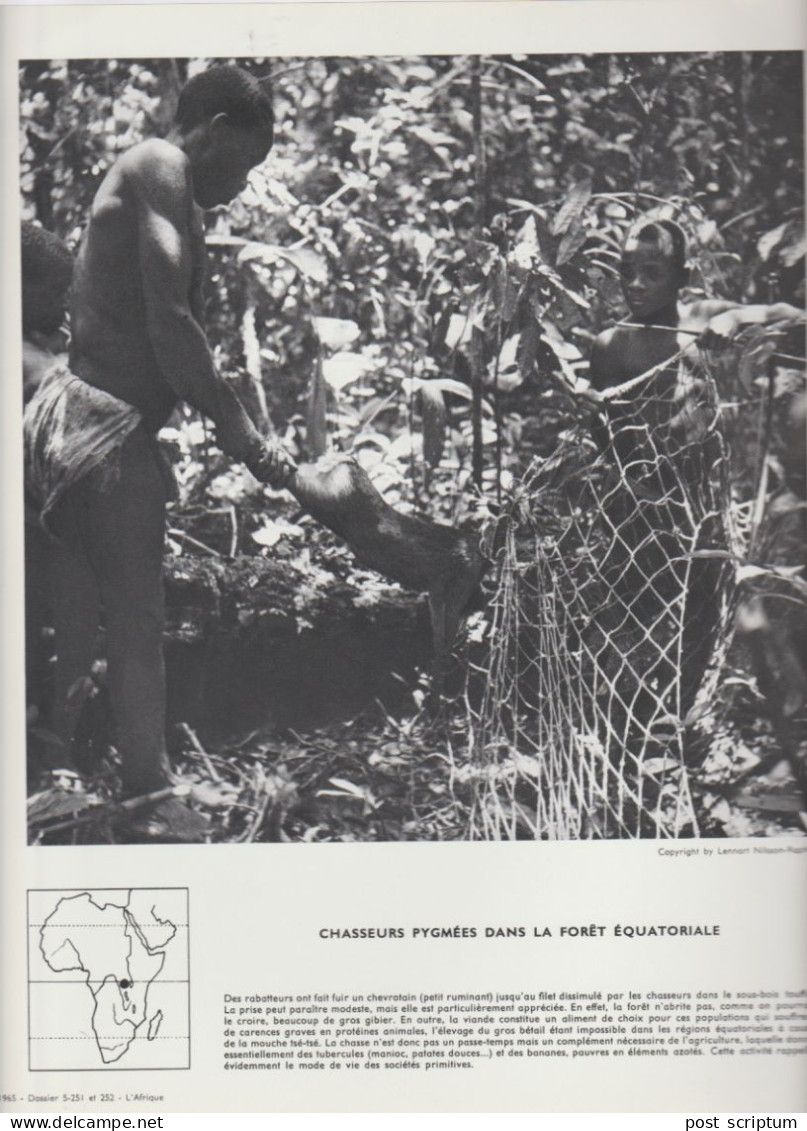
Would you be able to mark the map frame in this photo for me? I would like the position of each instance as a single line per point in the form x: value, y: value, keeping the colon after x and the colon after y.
x: 59, y: 893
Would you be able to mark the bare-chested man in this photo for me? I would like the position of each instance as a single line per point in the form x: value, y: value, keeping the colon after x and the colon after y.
x: 138, y: 346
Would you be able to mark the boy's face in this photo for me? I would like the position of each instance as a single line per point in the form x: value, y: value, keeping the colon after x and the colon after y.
x: 651, y: 278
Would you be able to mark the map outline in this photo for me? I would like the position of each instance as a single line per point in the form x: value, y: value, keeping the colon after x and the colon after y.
x: 131, y: 926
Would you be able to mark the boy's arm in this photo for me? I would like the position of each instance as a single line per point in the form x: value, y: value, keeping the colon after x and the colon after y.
x: 163, y: 193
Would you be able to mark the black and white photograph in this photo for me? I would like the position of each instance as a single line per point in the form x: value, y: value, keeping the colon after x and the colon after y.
x: 414, y: 447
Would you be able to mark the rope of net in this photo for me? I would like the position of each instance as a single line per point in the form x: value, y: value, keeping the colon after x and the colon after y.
x: 610, y: 612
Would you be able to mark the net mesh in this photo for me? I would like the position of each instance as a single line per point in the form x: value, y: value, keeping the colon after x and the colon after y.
x: 614, y: 581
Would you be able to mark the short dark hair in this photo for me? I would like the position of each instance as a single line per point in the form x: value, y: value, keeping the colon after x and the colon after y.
x: 226, y: 90
x: 654, y: 232
x: 47, y: 271
x: 44, y: 255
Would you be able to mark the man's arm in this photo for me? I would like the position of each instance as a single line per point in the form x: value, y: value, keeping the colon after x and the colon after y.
x: 197, y: 298
x: 724, y: 320
x: 163, y: 193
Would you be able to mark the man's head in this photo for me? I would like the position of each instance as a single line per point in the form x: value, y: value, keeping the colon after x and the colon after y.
x: 653, y: 266
x: 47, y: 269
x: 225, y: 121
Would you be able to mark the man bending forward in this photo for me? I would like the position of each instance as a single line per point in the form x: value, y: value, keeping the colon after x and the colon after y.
x: 138, y: 347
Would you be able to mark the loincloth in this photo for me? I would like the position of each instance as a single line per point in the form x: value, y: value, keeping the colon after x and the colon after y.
x: 73, y: 431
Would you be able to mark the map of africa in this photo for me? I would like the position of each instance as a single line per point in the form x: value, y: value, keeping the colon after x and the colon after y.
x: 108, y: 978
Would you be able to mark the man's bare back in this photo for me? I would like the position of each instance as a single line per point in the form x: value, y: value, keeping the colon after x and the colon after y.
x: 112, y: 347
x: 137, y: 306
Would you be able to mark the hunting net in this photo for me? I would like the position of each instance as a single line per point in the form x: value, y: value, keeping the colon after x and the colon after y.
x: 612, y: 600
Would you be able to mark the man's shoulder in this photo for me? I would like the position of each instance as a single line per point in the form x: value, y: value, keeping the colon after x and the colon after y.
x: 155, y: 163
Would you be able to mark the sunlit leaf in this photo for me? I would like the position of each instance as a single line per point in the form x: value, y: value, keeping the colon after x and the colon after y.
x: 507, y: 374
x: 268, y: 535
x: 348, y: 786
x: 526, y: 248
x: 459, y: 330
x: 449, y: 385
x: 252, y: 358
x: 434, y: 138
x: 214, y: 795
x: 406, y: 445
x: 770, y: 240
x: 562, y: 349
x: 335, y: 333
x: 424, y: 245
x: 344, y: 368
x: 308, y: 263
x: 794, y: 252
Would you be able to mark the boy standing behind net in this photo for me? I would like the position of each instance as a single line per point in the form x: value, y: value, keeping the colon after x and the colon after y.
x: 666, y: 501
x: 653, y: 271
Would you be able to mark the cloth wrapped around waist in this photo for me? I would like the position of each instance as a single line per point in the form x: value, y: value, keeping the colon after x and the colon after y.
x: 72, y: 430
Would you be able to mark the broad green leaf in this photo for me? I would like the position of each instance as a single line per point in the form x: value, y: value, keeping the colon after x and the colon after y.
x: 406, y: 445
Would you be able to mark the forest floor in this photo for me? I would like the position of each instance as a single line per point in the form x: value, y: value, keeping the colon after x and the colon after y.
x: 379, y: 778
x: 298, y: 696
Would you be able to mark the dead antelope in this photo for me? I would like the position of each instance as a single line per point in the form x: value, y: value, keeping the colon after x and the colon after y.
x: 419, y: 554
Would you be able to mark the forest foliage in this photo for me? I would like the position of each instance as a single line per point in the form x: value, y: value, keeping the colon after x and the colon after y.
x: 429, y: 230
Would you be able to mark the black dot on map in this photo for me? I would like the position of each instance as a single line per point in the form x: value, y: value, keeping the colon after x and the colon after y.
x: 124, y: 983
